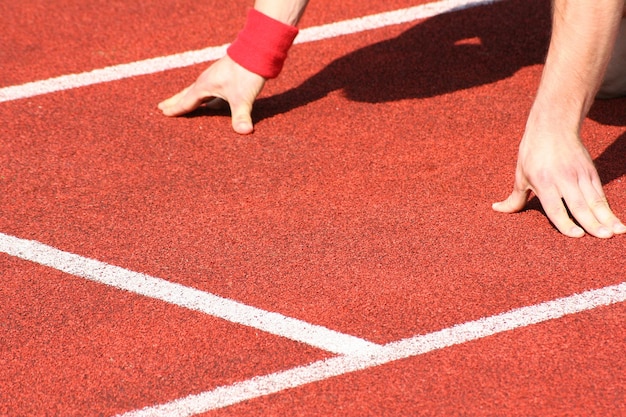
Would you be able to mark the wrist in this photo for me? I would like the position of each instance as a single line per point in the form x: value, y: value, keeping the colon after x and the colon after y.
x: 262, y: 46
x: 556, y: 113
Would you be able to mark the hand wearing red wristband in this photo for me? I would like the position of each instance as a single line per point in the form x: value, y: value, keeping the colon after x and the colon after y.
x: 236, y: 79
x: 262, y: 45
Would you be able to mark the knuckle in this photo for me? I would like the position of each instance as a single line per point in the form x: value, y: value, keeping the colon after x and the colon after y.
x: 578, y: 205
x: 556, y: 211
x: 599, y: 203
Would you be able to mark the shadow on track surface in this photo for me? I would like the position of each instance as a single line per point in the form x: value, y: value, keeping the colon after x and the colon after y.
x: 446, y: 53
x: 443, y: 54
x: 611, y: 164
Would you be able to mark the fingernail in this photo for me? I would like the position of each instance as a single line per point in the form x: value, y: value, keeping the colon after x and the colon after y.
x: 244, y: 128
x: 619, y: 228
x: 577, y: 231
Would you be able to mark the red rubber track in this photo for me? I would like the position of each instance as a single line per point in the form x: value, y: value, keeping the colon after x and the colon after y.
x: 72, y: 347
x: 574, y: 366
x: 361, y: 203
x: 47, y: 39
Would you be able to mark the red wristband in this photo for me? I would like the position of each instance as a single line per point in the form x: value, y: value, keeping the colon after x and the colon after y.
x: 262, y: 45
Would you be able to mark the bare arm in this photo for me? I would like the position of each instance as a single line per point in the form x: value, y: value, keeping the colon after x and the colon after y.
x: 552, y: 161
x: 582, y: 41
x: 287, y: 11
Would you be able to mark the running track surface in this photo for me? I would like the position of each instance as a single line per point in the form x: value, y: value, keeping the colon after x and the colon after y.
x: 324, y: 260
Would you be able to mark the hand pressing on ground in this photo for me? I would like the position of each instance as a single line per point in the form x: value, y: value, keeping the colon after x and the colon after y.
x: 257, y: 54
x: 552, y: 161
x: 558, y: 169
x: 225, y: 83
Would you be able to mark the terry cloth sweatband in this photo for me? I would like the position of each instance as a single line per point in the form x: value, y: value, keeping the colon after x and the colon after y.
x: 262, y: 45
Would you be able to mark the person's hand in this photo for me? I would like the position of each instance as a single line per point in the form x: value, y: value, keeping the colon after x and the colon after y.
x: 223, y: 83
x: 558, y: 169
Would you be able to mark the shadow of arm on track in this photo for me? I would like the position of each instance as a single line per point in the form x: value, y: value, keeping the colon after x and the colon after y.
x: 443, y: 54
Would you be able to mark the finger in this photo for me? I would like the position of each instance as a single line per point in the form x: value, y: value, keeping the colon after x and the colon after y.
x: 555, y: 210
x: 184, y: 102
x: 597, y: 202
x: 515, y: 201
x: 619, y: 227
x: 168, y: 103
x: 241, y: 119
x: 580, y: 205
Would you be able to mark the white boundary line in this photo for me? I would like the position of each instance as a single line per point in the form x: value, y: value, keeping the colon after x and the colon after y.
x: 183, y: 296
x: 185, y: 59
x: 355, y: 354
x: 418, y: 345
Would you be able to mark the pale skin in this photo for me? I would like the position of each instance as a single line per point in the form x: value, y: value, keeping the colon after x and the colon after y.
x: 552, y: 160
x: 227, y: 82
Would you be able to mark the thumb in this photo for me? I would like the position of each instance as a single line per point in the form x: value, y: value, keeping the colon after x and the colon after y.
x: 184, y: 102
x: 241, y: 119
x: 514, y: 202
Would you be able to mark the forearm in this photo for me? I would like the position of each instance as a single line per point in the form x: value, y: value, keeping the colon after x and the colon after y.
x: 583, y: 35
x: 286, y: 11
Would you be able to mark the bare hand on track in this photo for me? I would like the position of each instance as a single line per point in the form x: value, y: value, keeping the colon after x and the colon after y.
x: 557, y: 170
x: 224, y: 82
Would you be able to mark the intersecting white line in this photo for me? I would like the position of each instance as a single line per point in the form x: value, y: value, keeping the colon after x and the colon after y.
x: 418, y: 345
x: 180, y: 295
x: 185, y: 59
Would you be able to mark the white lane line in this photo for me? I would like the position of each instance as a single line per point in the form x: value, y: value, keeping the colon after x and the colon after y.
x: 418, y: 345
x: 113, y: 73
x: 185, y: 59
x: 180, y: 295
x: 380, y: 20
